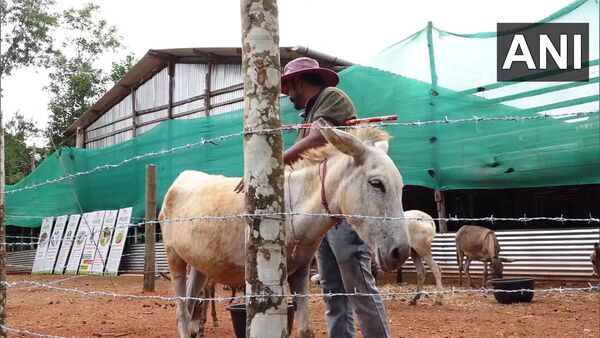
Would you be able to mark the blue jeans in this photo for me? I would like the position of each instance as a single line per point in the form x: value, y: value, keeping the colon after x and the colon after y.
x: 344, y: 262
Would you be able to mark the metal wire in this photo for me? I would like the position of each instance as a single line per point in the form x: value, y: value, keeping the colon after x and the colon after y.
x: 203, y: 141
x: 27, y: 332
x: 227, y: 218
x: 452, y: 291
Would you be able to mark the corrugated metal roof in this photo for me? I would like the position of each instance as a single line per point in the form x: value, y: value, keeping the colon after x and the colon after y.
x: 156, y: 60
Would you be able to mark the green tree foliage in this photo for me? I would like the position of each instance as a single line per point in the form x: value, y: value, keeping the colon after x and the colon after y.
x: 18, y: 161
x: 26, y: 37
x: 77, y: 80
x: 73, y: 44
x: 119, y: 69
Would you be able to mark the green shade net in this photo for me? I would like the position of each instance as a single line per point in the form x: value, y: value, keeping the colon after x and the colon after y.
x: 432, y: 75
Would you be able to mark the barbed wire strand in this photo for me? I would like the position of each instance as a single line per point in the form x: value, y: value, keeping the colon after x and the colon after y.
x: 232, y: 217
x: 27, y: 332
x: 391, y: 294
x: 203, y: 141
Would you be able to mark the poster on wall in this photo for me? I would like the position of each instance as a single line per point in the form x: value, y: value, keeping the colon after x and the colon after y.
x: 79, y: 243
x: 40, y: 254
x: 104, y: 241
x: 54, y: 244
x: 91, y: 244
x: 67, y: 242
x: 118, y: 241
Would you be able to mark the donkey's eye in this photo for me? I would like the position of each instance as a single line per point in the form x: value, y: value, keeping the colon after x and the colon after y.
x: 377, y: 184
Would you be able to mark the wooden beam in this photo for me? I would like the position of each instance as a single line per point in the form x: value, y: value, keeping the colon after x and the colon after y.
x: 162, y: 55
x: 112, y: 133
x: 152, y: 110
x: 108, y: 124
x: 143, y: 124
x: 211, y: 57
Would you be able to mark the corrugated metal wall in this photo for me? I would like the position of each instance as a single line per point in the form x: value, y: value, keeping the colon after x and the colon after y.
x: 545, y: 254
x: 189, y: 85
x: 562, y: 254
x: 115, y: 119
x: 224, y: 76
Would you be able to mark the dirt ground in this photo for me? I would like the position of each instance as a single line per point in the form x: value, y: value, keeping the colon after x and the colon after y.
x: 64, y: 313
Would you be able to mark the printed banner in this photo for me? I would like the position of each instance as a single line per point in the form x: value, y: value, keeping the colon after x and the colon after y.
x: 54, y: 245
x: 91, y: 244
x: 104, y: 241
x: 40, y: 254
x: 67, y: 242
x: 118, y: 241
x: 79, y: 243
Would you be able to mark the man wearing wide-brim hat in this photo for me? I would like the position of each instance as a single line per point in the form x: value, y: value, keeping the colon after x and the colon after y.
x: 344, y: 260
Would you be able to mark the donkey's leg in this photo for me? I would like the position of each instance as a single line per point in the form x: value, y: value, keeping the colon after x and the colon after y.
x: 195, y: 288
x: 467, y: 265
x: 177, y: 267
x: 459, y: 259
x: 213, y: 310
x: 437, y: 272
x: 299, y: 284
x: 421, y: 272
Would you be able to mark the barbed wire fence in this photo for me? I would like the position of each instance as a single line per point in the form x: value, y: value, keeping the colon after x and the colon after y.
x: 233, y: 217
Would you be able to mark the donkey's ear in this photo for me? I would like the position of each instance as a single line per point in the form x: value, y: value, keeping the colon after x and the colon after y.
x: 343, y: 141
x: 383, y: 145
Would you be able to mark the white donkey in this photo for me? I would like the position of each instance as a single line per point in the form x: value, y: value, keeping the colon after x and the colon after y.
x: 421, y: 230
x: 361, y: 179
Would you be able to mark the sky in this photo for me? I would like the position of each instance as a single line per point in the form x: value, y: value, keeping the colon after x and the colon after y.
x: 351, y: 30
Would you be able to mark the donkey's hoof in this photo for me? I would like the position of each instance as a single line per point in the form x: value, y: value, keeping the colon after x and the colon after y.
x: 307, y: 334
x: 412, y: 302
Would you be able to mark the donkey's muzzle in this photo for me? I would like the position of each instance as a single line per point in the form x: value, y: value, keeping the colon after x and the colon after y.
x: 396, y: 257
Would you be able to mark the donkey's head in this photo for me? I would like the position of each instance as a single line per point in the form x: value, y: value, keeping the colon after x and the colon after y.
x: 595, y: 258
x: 369, y: 184
x: 497, y: 267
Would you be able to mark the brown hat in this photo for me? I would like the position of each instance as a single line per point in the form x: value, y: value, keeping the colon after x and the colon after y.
x: 304, y: 65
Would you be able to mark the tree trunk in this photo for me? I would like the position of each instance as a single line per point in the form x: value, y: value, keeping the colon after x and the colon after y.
x: 266, y: 271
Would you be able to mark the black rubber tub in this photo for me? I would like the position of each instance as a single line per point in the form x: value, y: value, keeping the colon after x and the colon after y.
x: 238, y: 318
x: 513, y: 284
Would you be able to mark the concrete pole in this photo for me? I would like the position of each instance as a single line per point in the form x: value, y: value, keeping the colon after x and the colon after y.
x: 266, y: 270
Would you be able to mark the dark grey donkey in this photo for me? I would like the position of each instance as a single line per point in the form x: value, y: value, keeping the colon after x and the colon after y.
x: 478, y: 243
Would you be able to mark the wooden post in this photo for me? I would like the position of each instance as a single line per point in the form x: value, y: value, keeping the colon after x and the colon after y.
x: 171, y: 70
x: 150, y: 229
x: 399, y: 275
x: 3, y: 332
x: 266, y: 269
x: 207, y: 81
x: 133, y: 115
x: 440, y: 203
x: 80, y: 138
